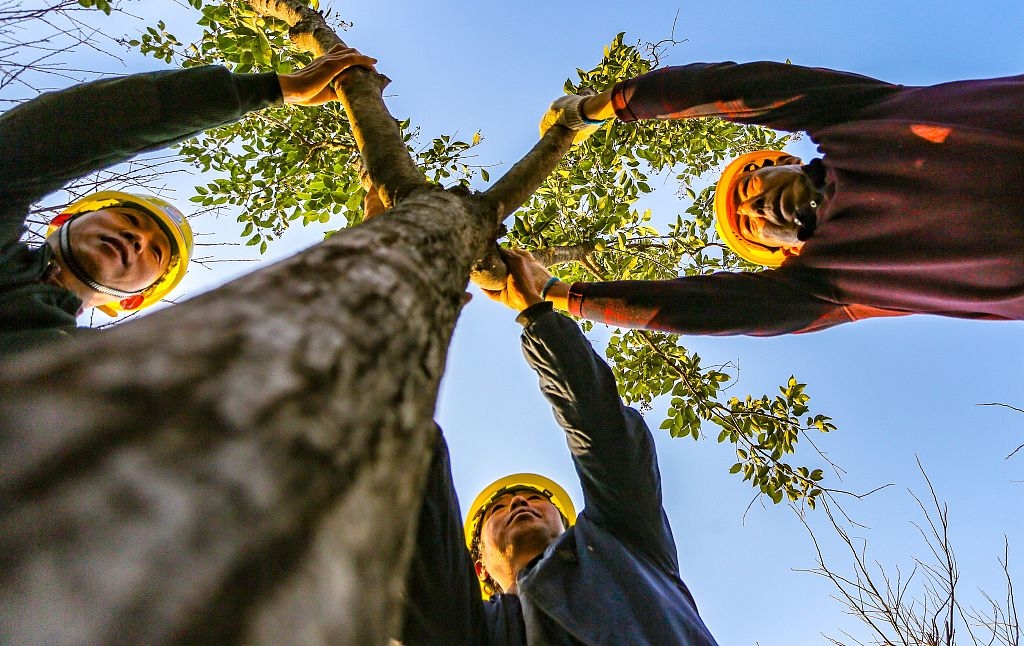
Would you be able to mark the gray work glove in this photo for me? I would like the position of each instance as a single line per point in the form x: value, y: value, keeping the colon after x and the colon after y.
x: 566, y: 111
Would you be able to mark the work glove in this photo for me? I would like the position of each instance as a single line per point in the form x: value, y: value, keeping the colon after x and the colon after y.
x: 565, y: 111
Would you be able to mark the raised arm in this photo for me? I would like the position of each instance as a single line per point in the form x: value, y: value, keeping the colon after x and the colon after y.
x: 765, y: 303
x: 63, y: 135
x: 610, y: 444
x: 60, y: 136
x: 777, y: 95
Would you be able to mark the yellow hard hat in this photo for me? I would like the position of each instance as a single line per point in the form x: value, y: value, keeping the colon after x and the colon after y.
x: 558, y: 497
x: 726, y: 220
x: 174, y: 225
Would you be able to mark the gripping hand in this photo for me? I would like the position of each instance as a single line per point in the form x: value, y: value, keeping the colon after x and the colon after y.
x: 567, y: 111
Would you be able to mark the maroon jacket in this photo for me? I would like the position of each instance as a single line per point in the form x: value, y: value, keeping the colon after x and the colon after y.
x: 923, y: 209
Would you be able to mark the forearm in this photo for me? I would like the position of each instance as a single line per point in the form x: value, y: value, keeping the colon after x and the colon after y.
x: 558, y: 296
x: 610, y: 444
x: 598, y: 107
x: 62, y: 135
x: 787, y: 97
x: 758, y: 304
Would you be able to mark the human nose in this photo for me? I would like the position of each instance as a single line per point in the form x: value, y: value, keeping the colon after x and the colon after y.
x: 137, y: 240
x: 755, y: 206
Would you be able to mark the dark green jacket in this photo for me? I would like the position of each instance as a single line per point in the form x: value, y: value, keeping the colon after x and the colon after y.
x: 61, y: 136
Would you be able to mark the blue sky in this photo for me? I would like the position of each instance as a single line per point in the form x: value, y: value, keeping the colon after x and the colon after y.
x: 898, y: 389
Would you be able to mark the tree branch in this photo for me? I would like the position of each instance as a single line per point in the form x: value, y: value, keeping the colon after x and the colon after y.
x: 560, y: 255
x: 512, y: 190
x: 522, y: 180
x: 376, y: 132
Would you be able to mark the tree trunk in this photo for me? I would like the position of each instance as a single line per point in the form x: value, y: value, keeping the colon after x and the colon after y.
x: 246, y: 467
x: 243, y: 467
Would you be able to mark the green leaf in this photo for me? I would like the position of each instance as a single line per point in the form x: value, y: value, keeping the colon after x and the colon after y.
x: 264, y: 51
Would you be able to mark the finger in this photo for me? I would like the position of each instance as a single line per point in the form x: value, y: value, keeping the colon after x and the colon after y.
x: 514, y: 262
x: 354, y: 60
x: 512, y: 252
x: 526, y: 256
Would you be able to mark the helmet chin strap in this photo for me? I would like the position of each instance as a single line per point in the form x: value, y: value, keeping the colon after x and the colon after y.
x: 64, y: 240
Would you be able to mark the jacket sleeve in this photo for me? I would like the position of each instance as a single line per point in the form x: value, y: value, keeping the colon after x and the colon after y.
x: 777, y: 95
x: 63, y: 135
x: 442, y: 596
x: 765, y: 303
x: 611, y: 446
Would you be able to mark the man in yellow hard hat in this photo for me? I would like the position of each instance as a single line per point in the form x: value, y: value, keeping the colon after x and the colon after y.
x: 117, y: 251
x: 606, y: 576
x: 916, y: 205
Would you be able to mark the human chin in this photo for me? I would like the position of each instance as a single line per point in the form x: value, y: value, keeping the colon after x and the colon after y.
x: 103, y: 262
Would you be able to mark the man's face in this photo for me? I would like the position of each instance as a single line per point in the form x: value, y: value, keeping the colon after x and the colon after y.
x: 768, y: 200
x: 120, y: 247
x: 522, y: 521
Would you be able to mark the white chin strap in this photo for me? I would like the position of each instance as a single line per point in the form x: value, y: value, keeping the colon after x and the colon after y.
x: 64, y: 240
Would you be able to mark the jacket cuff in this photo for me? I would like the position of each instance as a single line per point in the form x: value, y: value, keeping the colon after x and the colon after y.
x: 621, y: 94
x: 257, y: 91
x: 575, y: 300
x: 534, y: 312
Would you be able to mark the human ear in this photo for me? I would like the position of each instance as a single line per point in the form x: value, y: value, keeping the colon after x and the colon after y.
x: 481, y: 571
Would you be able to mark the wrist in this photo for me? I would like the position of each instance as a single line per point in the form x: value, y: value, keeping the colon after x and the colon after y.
x: 285, y: 81
x: 547, y: 287
x: 598, y: 108
x: 558, y: 295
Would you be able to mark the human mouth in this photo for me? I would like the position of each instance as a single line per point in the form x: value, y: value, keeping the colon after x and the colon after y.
x: 521, y: 512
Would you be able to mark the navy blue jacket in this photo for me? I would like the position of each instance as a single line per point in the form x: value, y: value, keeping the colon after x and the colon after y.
x: 613, y: 578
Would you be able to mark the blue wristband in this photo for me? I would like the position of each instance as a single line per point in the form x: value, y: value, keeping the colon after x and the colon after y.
x: 547, y: 286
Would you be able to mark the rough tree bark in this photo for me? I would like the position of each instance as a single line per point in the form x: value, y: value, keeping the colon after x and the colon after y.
x: 245, y: 467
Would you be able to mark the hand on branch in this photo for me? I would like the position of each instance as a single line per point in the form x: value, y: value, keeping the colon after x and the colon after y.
x: 313, y: 84
x: 525, y: 279
x: 583, y: 113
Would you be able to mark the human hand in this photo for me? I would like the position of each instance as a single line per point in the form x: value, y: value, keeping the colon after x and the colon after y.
x: 568, y: 111
x: 525, y: 279
x: 313, y: 84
